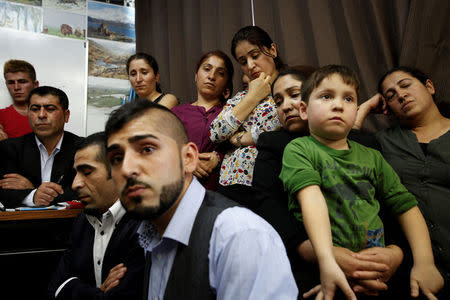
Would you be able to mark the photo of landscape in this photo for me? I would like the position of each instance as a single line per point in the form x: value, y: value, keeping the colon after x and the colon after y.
x: 73, y: 6
x: 104, y: 95
x: 108, y: 59
x: 30, y: 2
x: 2, y: 14
x: 64, y: 24
x: 111, y: 22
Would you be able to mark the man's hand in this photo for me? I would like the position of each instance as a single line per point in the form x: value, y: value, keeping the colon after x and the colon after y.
x: 390, y: 256
x: 114, y: 276
x: 3, y: 135
x: 369, y: 269
x: 46, y: 192
x: 15, y: 181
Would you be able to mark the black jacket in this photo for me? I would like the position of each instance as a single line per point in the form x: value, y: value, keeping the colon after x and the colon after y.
x: 77, y: 261
x: 21, y: 155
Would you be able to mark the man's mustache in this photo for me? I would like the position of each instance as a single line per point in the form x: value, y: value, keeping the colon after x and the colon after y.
x: 132, y: 181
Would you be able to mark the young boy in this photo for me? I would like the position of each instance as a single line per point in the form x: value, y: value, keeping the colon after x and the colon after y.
x: 327, y: 170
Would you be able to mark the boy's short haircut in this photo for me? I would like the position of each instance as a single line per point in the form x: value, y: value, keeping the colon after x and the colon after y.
x: 348, y: 76
x: 16, y: 65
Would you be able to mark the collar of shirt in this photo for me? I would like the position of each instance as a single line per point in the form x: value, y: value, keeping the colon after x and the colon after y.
x: 180, y: 226
x: 42, y: 149
x: 115, y: 212
x: 47, y: 160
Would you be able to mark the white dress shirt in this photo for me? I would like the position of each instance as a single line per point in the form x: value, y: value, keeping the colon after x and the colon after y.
x: 104, y: 229
x: 247, y: 259
x: 46, y: 167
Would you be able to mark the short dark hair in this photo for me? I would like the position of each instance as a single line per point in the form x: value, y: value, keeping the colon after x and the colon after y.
x: 348, y: 76
x: 414, y: 72
x: 96, y: 139
x: 17, y: 65
x: 256, y: 36
x: 296, y: 73
x: 228, y: 66
x: 49, y: 90
x: 170, y: 123
x: 150, y: 60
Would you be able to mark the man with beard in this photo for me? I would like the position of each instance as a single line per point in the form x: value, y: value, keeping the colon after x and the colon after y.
x: 104, y: 260
x: 36, y: 169
x: 198, y: 244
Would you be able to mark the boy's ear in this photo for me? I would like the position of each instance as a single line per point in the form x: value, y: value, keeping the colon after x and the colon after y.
x: 302, y: 110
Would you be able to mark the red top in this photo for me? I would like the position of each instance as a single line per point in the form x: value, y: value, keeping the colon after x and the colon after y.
x: 14, y: 124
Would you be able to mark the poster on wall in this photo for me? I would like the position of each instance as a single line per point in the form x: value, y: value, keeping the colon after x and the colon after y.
x: 104, y: 96
x: 30, y: 2
x: 108, y: 59
x: 111, y: 22
x: 61, y: 63
x: 63, y: 24
x: 117, y: 2
x: 73, y: 6
x: 21, y: 17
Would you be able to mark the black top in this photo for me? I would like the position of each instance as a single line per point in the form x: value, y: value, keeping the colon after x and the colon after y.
x: 21, y: 155
x: 426, y: 174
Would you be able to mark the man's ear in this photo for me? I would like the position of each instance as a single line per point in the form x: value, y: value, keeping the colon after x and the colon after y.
x: 189, y: 155
x: 36, y: 83
x: 302, y: 110
x: 66, y: 115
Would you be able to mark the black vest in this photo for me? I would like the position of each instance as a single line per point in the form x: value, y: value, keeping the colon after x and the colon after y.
x: 189, y: 277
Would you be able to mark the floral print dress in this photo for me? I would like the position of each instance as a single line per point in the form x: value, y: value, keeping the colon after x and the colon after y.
x: 238, y: 163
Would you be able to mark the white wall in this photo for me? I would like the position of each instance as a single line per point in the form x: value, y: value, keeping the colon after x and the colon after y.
x: 59, y: 62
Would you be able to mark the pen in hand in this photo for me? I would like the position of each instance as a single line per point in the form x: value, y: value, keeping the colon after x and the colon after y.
x: 60, y: 179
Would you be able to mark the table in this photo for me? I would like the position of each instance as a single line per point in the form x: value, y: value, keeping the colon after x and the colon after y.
x: 31, y: 245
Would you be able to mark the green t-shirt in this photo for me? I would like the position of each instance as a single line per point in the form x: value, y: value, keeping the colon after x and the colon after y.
x: 353, y: 182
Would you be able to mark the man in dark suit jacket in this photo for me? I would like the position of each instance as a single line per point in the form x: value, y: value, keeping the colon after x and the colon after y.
x: 104, y: 260
x: 36, y: 169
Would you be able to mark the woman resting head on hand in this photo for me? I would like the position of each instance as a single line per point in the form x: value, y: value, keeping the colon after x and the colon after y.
x: 143, y: 72
x: 248, y: 113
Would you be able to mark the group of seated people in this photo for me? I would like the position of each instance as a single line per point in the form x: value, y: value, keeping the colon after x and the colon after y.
x: 259, y: 195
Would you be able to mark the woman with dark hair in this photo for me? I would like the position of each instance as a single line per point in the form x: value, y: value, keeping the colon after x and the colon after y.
x: 214, y: 80
x: 418, y: 150
x: 249, y: 112
x: 143, y: 72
